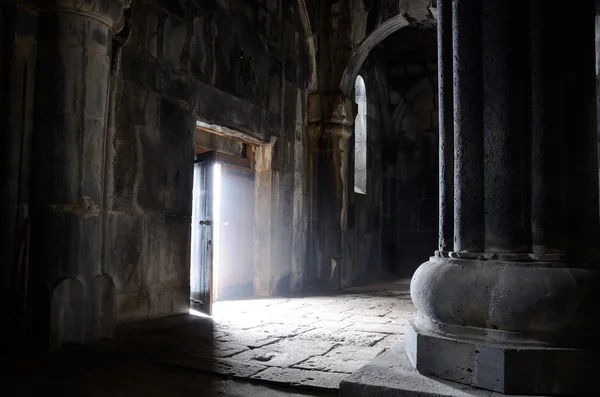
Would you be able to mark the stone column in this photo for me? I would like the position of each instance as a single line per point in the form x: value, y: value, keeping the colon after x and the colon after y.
x: 468, y: 140
x: 446, y: 106
x: 514, y: 307
x: 73, y: 300
x: 333, y: 116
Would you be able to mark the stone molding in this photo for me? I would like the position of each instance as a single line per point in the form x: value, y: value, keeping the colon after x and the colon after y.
x: 337, y: 130
x: 331, y: 109
x: 504, y: 256
x: 108, y: 12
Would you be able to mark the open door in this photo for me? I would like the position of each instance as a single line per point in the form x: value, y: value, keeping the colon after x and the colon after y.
x: 201, y: 272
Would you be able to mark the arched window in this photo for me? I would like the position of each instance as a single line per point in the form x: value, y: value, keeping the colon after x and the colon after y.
x: 360, y: 137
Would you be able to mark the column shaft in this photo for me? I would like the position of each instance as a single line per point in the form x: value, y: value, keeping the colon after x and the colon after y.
x: 468, y: 140
x: 564, y: 201
x: 72, y: 300
x: 446, y: 133
x: 72, y: 87
x: 580, y: 114
x: 548, y: 156
x: 505, y: 128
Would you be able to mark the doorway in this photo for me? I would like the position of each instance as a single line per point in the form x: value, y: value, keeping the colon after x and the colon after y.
x: 222, y: 252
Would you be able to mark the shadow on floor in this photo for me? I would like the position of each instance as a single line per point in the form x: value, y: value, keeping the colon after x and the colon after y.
x: 128, y: 366
x: 264, y: 347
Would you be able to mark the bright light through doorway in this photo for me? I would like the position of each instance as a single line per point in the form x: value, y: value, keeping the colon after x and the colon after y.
x: 217, y: 226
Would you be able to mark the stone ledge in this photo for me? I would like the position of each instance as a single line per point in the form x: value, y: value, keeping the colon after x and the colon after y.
x: 392, y: 375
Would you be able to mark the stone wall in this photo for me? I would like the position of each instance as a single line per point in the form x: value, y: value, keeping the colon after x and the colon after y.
x: 365, y: 258
x: 236, y: 65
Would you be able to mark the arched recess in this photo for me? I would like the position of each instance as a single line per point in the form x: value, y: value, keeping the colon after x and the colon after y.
x: 371, y: 41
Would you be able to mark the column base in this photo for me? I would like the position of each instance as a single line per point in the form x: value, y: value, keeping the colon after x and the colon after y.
x: 507, y: 369
x: 392, y: 375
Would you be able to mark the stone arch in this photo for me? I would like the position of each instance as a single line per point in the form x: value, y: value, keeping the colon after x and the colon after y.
x: 364, y: 49
x: 310, y: 46
x: 67, y: 310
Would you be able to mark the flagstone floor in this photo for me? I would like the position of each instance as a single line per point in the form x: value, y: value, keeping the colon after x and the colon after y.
x: 280, y: 346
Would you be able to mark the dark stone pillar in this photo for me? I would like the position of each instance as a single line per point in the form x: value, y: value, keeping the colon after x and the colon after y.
x: 549, y: 215
x: 505, y: 128
x: 72, y: 299
x: 333, y: 117
x: 468, y: 140
x: 516, y: 311
x: 446, y: 151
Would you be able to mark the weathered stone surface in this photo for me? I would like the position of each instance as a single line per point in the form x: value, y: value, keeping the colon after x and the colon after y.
x: 391, y: 375
x: 343, y: 359
x: 356, y: 338
x: 332, y: 324
x: 222, y: 366
x: 283, y: 329
x: 284, y: 353
x: 362, y: 319
x: 380, y: 328
x: 299, y: 377
x: 390, y: 341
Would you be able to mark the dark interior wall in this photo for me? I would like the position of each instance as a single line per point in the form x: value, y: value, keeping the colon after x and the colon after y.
x: 235, y: 64
x: 18, y: 41
x: 238, y: 65
x: 393, y: 228
x: 413, y: 101
x: 364, y: 254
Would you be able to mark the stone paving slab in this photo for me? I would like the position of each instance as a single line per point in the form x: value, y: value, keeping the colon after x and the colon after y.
x: 250, y: 305
x: 313, y: 341
x: 332, y: 364
x: 380, y: 328
x: 358, y: 318
x: 342, y: 359
x: 390, y: 341
x: 293, y: 319
x: 280, y: 330
x: 201, y: 346
x: 247, y: 338
x: 332, y: 324
x: 284, y: 353
x: 223, y: 366
x: 355, y: 353
x: 243, y: 321
x: 328, y: 308
x: 377, y: 312
x: 355, y: 338
x: 300, y: 377
x: 324, y: 315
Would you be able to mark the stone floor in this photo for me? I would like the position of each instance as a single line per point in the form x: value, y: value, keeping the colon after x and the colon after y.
x: 264, y: 347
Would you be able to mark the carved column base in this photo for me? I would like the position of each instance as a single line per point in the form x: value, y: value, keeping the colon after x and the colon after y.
x: 509, y: 327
